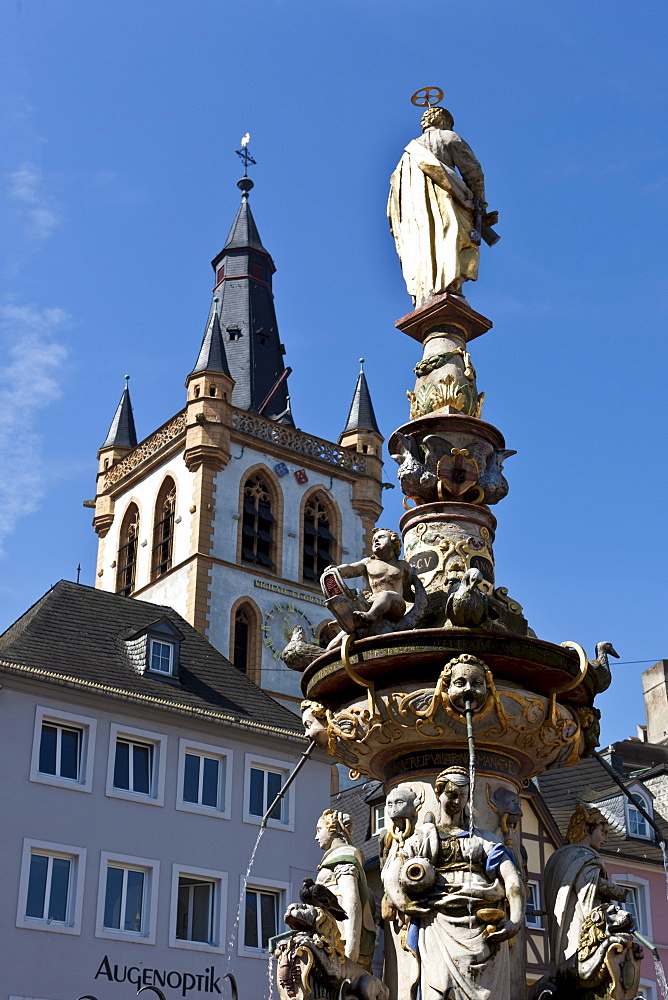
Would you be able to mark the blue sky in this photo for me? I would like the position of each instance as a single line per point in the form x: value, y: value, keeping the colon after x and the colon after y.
x: 120, y: 122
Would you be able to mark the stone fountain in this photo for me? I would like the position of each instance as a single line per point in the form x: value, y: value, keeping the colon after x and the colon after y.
x: 435, y: 684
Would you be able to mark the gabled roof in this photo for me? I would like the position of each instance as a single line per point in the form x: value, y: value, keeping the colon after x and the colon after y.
x: 75, y: 635
x: 122, y: 433
x: 361, y: 416
x: 211, y: 356
x: 562, y: 788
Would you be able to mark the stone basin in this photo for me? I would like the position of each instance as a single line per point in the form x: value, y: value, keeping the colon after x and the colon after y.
x: 418, y: 656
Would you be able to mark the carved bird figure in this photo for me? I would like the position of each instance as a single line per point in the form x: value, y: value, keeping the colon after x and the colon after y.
x: 415, y: 478
x: 492, y: 480
x: 600, y: 668
x: 315, y: 894
x: 467, y: 606
x: 299, y: 653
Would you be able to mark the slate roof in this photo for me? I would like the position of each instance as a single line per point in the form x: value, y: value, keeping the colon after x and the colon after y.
x: 122, y: 433
x: 357, y: 802
x: 361, y: 416
x: 248, y: 325
x: 244, y: 232
x: 562, y: 788
x: 211, y: 357
x: 75, y: 635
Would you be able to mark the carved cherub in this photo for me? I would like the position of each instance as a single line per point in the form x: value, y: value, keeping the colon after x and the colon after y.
x: 391, y: 585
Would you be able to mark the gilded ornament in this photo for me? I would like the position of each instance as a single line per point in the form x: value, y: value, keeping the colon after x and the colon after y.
x: 428, y: 365
x: 446, y: 392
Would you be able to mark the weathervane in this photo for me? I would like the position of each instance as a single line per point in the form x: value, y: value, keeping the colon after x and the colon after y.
x: 244, y: 154
x: 427, y: 97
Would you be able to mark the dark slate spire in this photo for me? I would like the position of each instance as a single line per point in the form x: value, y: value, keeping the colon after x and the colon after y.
x: 211, y: 356
x: 244, y: 231
x: 122, y: 433
x: 245, y: 309
x: 361, y: 416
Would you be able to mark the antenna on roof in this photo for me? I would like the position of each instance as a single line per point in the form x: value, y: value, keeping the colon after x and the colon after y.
x: 78, y: 572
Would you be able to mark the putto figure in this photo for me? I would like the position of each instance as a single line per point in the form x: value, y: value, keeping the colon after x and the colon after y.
x: 437, y: 199
x: 391, y: 585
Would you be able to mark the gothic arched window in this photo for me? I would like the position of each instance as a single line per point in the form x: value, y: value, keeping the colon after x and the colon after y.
x: 126, y: 561
x: 163, y: 529
x: 257, y: 523
x: 318, y: 540
x: 245, y: 650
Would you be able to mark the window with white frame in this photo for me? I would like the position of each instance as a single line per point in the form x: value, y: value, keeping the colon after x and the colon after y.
x: 161, y: 656
x: 378, y: 818
x: 127, y: 899
x: 136, y: 769
x: 637, y: 900
x: 263, y: 780
x: 637, y: 825
x: 202, y: 779
x: 261, y: 915
x: 63, y: 749
x: 533, y: 918
x: 51, y: 887
x: 647, y: 990
x: 199, y: 899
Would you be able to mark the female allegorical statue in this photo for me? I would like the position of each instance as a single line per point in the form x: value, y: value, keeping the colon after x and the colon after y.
x: 455, y: 887
x: 342, y: 871
x: 576, y: 881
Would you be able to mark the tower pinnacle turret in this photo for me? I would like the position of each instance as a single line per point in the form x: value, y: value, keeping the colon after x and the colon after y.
x: 122, y: 433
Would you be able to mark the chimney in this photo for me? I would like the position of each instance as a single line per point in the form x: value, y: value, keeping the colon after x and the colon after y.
x: 655, y: 692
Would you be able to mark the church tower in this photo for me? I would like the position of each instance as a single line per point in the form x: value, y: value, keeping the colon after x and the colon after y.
x: 227, y: 512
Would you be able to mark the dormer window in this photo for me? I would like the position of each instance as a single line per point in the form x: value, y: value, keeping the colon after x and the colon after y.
x: 636, y: 824
x: 234, y: 333
x: 161, y: 656
x: 154, y: 651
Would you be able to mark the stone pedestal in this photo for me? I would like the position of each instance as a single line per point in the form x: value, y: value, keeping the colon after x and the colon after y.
x: 443, y: 540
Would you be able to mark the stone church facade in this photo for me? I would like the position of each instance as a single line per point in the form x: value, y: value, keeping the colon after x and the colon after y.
x: 228, y: 513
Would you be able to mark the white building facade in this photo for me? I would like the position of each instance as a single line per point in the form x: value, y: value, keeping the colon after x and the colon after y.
x: 137, y: 767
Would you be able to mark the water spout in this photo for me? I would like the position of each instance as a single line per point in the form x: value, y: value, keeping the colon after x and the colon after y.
x: 304, y: 757
x: 659, y: 971
x: 471, y: 742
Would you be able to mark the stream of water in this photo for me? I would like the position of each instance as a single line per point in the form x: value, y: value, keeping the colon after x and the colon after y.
x: 661, y: 978
x: 242, y: 896
x: 662, y: 845
x: 270, y: 977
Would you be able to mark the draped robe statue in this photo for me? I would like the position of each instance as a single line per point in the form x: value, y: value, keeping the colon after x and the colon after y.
x: 576, y: 882
x: 430, y: 209
x: 464, y: 909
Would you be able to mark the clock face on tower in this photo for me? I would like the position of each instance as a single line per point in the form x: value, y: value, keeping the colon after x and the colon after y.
x: 278, y: 626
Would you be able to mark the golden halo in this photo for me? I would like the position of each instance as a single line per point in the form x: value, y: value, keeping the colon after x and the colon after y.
x: 427, y: 97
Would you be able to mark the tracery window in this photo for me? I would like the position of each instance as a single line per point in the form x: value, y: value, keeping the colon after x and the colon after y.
x: 318, y: 541
x: 257, y: 525
x: 163, y: 530
x: 126, y: 561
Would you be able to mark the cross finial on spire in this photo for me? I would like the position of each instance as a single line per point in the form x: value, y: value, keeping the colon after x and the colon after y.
x: 244, y: 154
